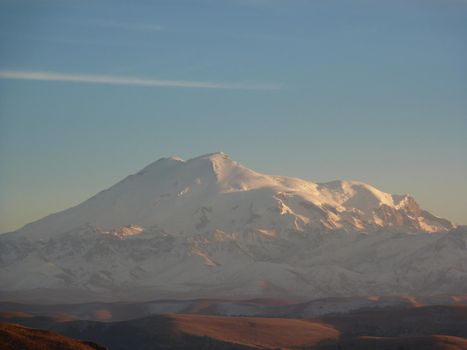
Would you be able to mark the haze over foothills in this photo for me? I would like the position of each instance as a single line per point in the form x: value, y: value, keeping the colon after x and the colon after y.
x: 364, y: 90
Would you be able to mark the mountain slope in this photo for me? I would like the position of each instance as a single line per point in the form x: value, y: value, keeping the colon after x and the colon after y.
x: 209, y: 226
x: 13, y: 337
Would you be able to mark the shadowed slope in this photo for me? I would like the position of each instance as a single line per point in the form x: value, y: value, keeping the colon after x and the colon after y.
x: 429, y: 320
x: 435, y: 342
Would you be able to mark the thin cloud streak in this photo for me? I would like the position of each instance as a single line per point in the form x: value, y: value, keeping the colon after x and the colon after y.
x: 121, y: 80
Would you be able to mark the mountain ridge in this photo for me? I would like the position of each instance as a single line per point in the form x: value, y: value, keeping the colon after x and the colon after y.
x: 218, y: 172
x: 209, y: 226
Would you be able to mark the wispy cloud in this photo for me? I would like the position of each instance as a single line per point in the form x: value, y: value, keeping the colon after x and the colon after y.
x: 125, y: 80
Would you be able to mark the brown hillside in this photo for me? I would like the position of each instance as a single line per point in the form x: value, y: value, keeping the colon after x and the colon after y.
x: 14, y: 337
x: 255, y: 332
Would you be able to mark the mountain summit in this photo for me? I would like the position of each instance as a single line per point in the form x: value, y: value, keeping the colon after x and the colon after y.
x: 214, y: 192
x: 209, y: 226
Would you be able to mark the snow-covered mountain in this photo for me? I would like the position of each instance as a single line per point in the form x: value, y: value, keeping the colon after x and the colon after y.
x: 209, y: 226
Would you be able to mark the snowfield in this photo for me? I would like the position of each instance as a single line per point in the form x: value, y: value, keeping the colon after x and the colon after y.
x: 210, y: 227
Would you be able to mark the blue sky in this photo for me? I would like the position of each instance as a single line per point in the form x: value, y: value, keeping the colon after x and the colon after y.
x: 91, y: 91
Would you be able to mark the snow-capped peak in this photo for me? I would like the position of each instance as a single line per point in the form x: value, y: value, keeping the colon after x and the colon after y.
x: 213, y: 192
x: 210, y: 225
